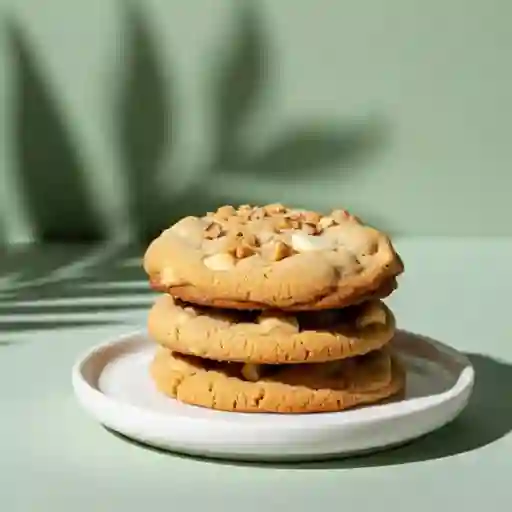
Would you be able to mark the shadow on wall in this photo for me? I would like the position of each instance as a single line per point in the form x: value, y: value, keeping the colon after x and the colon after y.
x: 53, y: 175
x: 50, y: 171
x: 64, y: 286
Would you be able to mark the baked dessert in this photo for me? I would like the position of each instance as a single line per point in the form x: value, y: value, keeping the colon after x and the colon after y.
x: 273, y: 257
x: 272, y: 309
x: 302, y: 388
x: 272, y: 337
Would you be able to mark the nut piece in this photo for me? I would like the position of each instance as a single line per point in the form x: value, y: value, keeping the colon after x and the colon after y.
x: 311, y: 217
x: 277, y: 250
x: 273, y: 209
x: 168, y: 277
x: 281, y: 224
x: 241, y: 243
x: 221, y: 261
x: 224, y: 212
x: 235, y: 223
x: 243, y: 251
x: 326, y: 222
x: 213, y: 230
x: 372, y: 314
x: 258, y: 214
x: 269, y: 321
x: 251, y: 372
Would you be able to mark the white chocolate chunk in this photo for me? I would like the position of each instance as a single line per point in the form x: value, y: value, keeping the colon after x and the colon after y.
x: 269, y: 321
x: 303, y: 242
x: 190, y: 229
x: 353, y: 239
x: 222, y: 261
x: 217, y: 245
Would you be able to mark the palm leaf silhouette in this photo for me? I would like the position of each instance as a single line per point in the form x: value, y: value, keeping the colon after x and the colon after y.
x: 240, y: 79
x: 144, y: 124
x: 306, y: 151
x: 243, y: 77
x: 47, y: 158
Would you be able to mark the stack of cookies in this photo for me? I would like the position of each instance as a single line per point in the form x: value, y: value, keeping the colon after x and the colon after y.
x: 272, y: 309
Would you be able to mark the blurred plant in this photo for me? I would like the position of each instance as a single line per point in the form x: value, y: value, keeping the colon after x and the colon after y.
x: 50, y: 166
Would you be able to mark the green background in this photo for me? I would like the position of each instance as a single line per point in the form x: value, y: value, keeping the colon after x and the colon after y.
x: 116, y: 117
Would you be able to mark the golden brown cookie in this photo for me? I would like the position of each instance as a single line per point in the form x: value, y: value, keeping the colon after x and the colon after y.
x: 195, y: 296
x: 324, y: 387
x: 272, y: 257
x: 270, y: 337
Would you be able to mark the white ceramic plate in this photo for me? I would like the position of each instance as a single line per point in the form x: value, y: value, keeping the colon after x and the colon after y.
x: 111, y: 382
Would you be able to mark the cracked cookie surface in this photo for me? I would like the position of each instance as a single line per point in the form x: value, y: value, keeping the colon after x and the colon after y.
x: 272, y: 257
x: 270, y: 337
x: 323, y: 387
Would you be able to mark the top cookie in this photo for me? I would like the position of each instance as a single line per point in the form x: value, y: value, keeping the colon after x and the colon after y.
x: 272, y: 257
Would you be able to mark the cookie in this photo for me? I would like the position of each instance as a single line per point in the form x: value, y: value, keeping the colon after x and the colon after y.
x: 270, y: 337
x: 272, y: 257
x: 323, y: 387
x: 196, y: 296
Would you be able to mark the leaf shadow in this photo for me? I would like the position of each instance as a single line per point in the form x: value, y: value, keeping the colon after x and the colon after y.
x: 49, y: 163
x: 301, y: 151
x: 144, y: 117
x: 242, y: 78
x: 241, y: 75
x: 84, y: 287
x: 307, y: 151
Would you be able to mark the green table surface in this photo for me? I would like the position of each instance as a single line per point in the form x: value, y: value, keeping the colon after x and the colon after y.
x: 57, y: 301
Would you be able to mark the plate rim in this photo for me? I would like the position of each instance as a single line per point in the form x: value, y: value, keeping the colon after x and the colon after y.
x: 376, y: 413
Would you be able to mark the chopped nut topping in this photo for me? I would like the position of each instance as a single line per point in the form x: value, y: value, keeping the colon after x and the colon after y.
x: 244, y: 251
x: 282, y: 223
x: 258, y: 214
x: 212, y: 231
x: 272, y: 209
x: 277, y: 250
x: 249, y: 238
x: 326, y: 222
x: 310, y: 229
x: 273, y: 231
x: 311, y: 218
x: 224, y: 212
x: 234, y: 223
